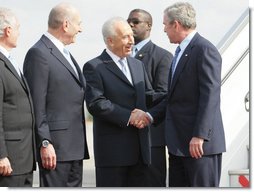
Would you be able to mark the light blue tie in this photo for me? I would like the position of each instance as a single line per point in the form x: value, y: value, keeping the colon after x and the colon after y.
x: 178, y: 49
x: 68, y: 57
x: 15, y: 64
x: 124, y: 70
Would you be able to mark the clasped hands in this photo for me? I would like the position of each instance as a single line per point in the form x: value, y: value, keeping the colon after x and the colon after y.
x: 139, y: 119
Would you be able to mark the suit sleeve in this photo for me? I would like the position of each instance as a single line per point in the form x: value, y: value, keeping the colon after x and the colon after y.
x: 97, y: 104
x: 209, y: 78
x: 160, y: 82
x: 36, y: 71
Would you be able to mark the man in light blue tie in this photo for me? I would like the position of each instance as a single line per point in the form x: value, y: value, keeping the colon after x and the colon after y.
x: 17, y: 137
x: 58, y: 90
x: 121, y: 151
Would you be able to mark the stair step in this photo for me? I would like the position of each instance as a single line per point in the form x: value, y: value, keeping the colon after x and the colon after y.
x: 239, y: 178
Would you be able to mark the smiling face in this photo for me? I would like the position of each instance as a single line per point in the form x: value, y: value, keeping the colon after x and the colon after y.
x: 121, y: 42
x: 72, y: 28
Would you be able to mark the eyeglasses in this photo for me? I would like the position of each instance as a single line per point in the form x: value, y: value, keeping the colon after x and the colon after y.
x: 134, y: 21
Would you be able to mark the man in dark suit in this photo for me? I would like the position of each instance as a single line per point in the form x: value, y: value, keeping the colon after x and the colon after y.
x: 194, y: 129
x: 157, y: 63
x: 17, y: 144
x: 116, y: 86
x: 57, y: 87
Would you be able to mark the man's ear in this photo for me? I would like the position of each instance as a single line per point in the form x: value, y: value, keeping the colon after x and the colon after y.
x: 7, y: 31
x: 65, y: 25
x: 149, y: 26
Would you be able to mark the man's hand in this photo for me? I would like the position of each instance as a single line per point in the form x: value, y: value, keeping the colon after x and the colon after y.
x: 48, y: 157
x: 5, y: 167
x: 196, y: 147
x: 139, y: 119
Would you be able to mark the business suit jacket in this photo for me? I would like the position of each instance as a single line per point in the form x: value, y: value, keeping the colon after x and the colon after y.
x: 110, y: 98
x: 157, y: 63
x: 193, y: 100
x: 17, y: 140
x: 58, y: 96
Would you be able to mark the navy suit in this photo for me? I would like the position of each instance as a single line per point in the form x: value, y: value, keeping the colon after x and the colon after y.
x: 110, y: 98
x: 192, y: 107
x: 157, y: 64
x: 58, y: 95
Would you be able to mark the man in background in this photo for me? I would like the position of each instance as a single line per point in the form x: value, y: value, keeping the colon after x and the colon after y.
x: 157, y: 63
x: 17, y: 142
x: 58, y: 89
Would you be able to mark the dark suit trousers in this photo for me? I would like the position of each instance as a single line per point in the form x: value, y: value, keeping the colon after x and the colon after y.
x: 24, y: 180
x: 124, y: 176
x: 66, y: 174
x: 157, y: 171
x: 191, y: 172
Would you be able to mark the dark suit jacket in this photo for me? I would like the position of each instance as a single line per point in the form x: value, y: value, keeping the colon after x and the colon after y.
x: 17, y: 140
x: 58, y: 96
x: 110, y: 99
x: 157, y: 63
x: 193, y: 103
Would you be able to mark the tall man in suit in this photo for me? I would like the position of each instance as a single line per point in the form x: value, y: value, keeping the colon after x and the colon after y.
x: 194, y: 129
x: 57, y: 87
x: 116, y: 86
x: 157, y: 63
x: 17, y: 142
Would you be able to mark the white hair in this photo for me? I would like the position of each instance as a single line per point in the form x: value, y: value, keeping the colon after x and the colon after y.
x: 109, y: 27
x: 7, y: 18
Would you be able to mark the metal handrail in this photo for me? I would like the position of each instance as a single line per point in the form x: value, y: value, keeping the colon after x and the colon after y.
x: 247, y: 101
x: 233, y: 68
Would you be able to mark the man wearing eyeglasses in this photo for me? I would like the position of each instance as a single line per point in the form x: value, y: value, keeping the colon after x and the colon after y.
x: 157, y: 63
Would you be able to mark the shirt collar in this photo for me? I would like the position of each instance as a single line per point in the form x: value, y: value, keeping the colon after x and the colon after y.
x: 142, y: 44
x: 114, y: 56
x: 55, y: 41
x: 4, y: 52
x: 187, y: 40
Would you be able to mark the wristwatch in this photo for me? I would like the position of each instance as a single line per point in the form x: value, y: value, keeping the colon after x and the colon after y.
x: 45, y: 143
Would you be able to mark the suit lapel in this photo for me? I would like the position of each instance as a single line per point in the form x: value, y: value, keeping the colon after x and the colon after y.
x: 182, y: 62
x: 59, y: 56
x: 144, y: 51
x: 133, y: 70
x: 111, y: 66
x: 13, y: 70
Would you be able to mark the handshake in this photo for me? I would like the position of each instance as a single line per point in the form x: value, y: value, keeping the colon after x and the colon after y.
x: 139, y: 119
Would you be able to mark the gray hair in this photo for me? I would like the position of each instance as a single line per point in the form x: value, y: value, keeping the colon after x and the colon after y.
x: 60, y: 13
x: 182, y: 12
x: 7, y: 18
x: 109, y: 27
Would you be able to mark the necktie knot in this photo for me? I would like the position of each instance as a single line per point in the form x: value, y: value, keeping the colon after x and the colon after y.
x: 15, y: 64
x: 121, y: 61
x: 177, y: 51
x: 66, y: 52
x: 134, y: 51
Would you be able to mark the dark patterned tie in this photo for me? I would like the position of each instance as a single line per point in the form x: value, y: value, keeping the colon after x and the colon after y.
x: 178, y: 49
